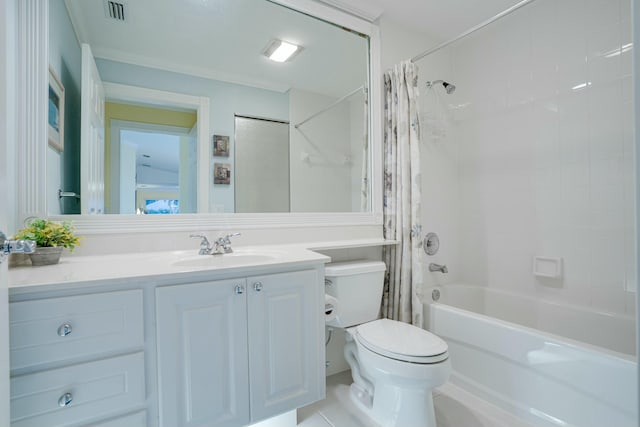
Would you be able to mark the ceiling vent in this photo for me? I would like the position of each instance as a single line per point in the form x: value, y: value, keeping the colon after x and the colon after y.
x: 116, y: 10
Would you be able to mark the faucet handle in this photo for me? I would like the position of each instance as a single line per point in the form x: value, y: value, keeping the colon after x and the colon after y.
x: 225, y: 242
x: 228, y: 236
x: 205, y: 245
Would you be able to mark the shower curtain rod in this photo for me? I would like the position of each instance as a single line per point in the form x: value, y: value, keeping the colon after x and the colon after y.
x: 328, y: 107
x: 472, y: 30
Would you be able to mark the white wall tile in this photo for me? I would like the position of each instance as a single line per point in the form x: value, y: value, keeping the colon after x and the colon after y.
x: 544, y: 167
x: 609, y: 300
x: 602, y: 12
x: 603, y: 53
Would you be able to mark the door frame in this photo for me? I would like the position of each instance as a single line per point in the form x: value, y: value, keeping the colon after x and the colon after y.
x: 201, y: 104
x: 8, y: 179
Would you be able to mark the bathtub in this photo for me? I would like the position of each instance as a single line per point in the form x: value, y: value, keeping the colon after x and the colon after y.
x: 582, y: 375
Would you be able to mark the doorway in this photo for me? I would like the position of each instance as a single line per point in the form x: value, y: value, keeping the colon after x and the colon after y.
x: 153, y: 168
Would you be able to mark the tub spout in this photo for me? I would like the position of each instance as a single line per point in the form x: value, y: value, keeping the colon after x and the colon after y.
x: 437, y: 267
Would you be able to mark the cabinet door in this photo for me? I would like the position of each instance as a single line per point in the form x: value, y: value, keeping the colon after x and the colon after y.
x: 286, y: 347
x: 202, y: 354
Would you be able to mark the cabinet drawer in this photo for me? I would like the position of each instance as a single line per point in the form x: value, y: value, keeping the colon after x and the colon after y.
x: 139, y: 419
x: 92, y: 390
x: 56, y: 329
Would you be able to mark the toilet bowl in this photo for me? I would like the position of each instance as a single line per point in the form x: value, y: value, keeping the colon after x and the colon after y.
x: 395, y: 366
x: 394, y: 386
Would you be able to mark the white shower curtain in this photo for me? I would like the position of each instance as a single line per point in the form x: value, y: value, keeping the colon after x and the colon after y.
x: 402, y: 192
x: 364, y: 185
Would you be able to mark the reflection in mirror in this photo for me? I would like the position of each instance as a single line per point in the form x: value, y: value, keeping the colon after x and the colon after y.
x: 308, y: 152
x: 153, y: 157
x: 262, y: 180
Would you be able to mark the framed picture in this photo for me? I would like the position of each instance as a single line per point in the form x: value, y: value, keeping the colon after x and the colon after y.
x: 221, y: 145
x: 55, y: 112
x: 222, y: 173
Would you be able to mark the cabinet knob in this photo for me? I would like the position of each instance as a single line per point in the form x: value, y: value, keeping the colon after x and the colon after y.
x: 257, y: 286
x: 65, y: 400
x: 239, y: 289
x: 65, y: 329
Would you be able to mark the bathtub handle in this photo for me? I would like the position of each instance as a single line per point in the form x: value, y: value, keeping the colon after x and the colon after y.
x: 437, y: 267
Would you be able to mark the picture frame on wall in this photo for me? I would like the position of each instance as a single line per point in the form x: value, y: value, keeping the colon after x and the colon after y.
x: 221, y: 145
x: 55, y: 113
x: 222, y: 173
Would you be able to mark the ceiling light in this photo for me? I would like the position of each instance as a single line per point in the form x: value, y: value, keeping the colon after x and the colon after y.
x: 281, y: 51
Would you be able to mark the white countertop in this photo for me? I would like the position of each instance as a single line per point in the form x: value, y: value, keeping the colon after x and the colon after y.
x: 154, y: 264
x: 126, y: 266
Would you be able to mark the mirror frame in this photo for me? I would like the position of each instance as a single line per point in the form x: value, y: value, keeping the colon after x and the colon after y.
x: 32, y: 89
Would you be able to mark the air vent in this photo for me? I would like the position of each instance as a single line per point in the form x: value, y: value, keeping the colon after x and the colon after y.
x: 115, y: 10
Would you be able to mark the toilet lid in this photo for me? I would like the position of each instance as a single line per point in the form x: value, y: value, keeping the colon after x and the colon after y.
x: 402, y: 341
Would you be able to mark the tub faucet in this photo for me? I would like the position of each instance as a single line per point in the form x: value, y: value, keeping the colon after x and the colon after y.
x: 437, y: 267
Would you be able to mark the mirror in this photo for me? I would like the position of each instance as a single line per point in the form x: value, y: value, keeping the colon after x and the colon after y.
x: 196, y: 118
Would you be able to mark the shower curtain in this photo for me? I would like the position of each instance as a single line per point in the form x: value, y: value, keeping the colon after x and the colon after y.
x: 402, y: 192
x: 364, y: 182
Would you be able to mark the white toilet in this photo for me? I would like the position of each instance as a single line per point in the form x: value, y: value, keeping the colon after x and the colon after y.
x: 395, y: 366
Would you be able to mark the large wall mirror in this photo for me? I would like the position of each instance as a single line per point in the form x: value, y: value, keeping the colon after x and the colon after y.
x: 182, y: 107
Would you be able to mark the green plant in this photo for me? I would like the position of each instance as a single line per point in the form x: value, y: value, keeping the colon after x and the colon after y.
x: 49, y: 234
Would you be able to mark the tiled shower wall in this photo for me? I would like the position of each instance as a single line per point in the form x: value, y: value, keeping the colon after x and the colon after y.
x: 533, y: 153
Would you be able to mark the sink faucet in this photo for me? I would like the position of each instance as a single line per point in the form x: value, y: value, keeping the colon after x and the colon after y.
x: 205, y: 245
x: 437, y: 267
x: 223, y: 244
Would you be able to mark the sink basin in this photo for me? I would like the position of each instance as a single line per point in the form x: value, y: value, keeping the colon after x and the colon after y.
x: 234, y: 259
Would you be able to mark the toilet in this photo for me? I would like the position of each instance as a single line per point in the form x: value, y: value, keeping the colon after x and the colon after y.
x: 394, y: 365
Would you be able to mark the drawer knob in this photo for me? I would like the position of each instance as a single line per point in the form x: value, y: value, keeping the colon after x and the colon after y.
x: 65, y: 329
x: 65, y: 400
x: 257, y: 286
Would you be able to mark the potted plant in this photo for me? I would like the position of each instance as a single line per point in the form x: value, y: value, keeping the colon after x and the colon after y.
x: 50, y: 237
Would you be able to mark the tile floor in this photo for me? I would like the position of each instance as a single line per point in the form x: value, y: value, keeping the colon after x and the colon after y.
x: 454, y: 408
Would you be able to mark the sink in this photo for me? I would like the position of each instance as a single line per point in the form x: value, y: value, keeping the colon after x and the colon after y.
x: 234, y: 259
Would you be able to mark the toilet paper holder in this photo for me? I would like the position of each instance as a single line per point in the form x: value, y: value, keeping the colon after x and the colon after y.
x: 330, y: 308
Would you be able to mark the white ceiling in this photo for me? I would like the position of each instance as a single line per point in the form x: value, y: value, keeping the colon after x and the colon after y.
x: 442, y: 19
x: 224, y: 40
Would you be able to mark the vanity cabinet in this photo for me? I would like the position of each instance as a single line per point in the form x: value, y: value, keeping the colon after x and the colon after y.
x: 214, y: 347
x: 234, y: 352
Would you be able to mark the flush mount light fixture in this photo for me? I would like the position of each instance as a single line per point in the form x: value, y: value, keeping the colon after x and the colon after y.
x: 281, y: 51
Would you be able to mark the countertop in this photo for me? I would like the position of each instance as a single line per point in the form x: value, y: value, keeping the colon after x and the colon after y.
x: 76, y: 270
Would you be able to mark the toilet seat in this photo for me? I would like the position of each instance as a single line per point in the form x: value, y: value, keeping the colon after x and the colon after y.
x: 401, y: 341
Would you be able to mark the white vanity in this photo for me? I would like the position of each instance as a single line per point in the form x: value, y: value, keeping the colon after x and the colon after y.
x: 167, y: 339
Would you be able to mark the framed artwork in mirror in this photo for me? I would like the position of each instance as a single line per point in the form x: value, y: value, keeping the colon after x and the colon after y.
x: 221, y: 145
x: 55, y: 108
x: 222, y: 173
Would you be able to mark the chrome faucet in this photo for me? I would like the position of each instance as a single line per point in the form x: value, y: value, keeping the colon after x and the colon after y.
x: 223, y: 244
x: 205, y: 245
x: 15, y: 246
x: 437, y: 267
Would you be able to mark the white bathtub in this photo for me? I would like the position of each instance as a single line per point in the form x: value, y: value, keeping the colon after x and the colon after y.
x: 544, y: 378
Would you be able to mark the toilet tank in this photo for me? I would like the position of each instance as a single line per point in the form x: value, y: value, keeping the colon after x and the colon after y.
x: 357, y: 285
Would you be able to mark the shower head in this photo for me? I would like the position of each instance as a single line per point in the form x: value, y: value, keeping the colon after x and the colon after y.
x: 448, y: 87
